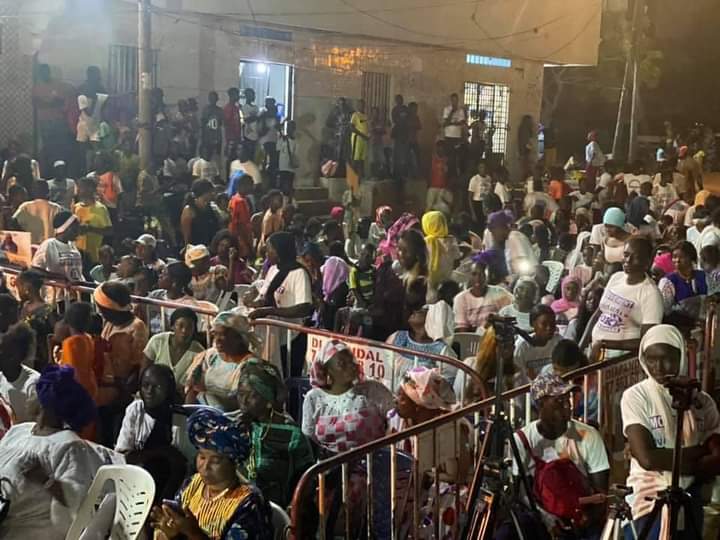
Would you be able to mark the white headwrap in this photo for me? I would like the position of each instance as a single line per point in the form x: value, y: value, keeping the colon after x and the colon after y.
x: 662, y: 402
x: 576, y: 255
x: 440, y: 321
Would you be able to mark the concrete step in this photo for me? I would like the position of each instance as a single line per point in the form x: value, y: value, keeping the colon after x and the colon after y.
x: 310, y: 194
x: 314, y: 208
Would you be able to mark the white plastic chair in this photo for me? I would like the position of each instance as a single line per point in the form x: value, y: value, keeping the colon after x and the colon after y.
x: 469, y: 343
x: 281, y: 521
x: 556, y: 269
x: 134, y: 493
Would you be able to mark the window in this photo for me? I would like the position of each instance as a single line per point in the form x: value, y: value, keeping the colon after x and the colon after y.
x: 492, y: 61
x: 494, y: 99
x: 376, y: 92
x: 123, y: 69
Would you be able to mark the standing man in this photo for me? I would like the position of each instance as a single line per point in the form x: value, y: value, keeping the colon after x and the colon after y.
x: 62, y: 188
x: 212, y: 123
x: 692, y: 171
x: 50, y: 99
x: 400, y: 136
x: 454, y: 122
x: 233, y: 125
x: 250, y: 117
x: 594, y: 156
x: 269, y: 127
x: 359, y: 139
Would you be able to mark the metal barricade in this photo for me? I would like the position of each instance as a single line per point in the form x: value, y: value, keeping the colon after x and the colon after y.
x: 321, y: 479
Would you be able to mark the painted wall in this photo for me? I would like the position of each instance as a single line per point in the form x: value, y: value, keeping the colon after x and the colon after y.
x: 202, y: 54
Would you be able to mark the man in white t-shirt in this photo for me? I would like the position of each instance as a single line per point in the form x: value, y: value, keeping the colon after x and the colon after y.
x: 473, y: 306
x: 62, y: 189
x: 454, y: 120
x: 250, y: 114
x: 17, y: 381
x: 245, y: 165
x: 631, y: 303
x: 59, y: 255
x: 555, y: 435
x: 36, y: 216
x: 479, y: 187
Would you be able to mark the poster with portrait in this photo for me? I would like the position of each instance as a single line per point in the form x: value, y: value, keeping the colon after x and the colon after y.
x: 15, y: 247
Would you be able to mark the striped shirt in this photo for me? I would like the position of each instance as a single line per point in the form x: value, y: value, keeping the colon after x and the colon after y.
x: 363, y: 283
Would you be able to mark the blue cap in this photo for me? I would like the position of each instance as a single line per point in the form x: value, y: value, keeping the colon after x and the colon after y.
x: 614, y: 216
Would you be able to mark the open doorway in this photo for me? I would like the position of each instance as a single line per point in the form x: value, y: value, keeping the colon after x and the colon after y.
x: 269, y: 80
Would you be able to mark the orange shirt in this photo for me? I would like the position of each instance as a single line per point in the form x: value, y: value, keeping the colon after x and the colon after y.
x: 79, y: 352
x: 558, y: 189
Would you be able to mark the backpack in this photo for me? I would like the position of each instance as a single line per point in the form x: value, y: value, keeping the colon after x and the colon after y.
x: 558, y: 485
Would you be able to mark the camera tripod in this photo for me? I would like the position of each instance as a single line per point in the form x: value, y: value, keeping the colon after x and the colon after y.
x: 493, y: 492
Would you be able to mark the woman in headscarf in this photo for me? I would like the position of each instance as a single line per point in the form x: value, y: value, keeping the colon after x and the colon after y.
x: 280, y: 452
x: 443, y: 250
x: 610, y: 236
x: 48, y: 467
x: 649, y: 423
x: 379, y: 228
x: 335, y: 273
x: 686, y: 282
x: 568, y: 304
x: 216, y: 502
x: 388, y: 248
x: 423, y: 395
x: 126, y: 337
x: 340, y: 393
x: 287, y: 295
x: 214, y: 374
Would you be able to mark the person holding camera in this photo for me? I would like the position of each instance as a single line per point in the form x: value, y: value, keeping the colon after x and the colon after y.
x: 649, y: 423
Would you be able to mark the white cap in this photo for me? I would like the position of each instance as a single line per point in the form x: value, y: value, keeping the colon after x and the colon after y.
x: 59, y: 163
x: 194, y: 254
x: 146, y: 240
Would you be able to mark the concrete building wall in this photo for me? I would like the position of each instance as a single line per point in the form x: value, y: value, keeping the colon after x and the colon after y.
x: 202, y: 54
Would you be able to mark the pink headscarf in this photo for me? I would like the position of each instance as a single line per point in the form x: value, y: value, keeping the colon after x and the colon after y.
x: 334, y: 273
x: 337, y: 213
x: 388, y: 247
x: 428, y: 389
x: 563, y: 305
x: 379, y: 212
x: 318, y: 373
x: 664, y: 262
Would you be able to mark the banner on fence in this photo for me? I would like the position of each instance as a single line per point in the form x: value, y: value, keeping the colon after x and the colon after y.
x: 375, y: 363
x: 16, y: 247
x: 615, y: 380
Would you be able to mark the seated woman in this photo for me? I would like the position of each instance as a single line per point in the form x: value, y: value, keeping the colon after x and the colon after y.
x: 216, y: 503
x: 610, y: 236
x: 567, y: 306
x: 443, y: 250
x: 147, y: 436
x: 630, y: 304
x: 683, y: 289
x: 649, y: 423
x: 280, y: 452
x: 339, y: 393
x: 214, y: 374
x: 418, y: 338
x: 48, y: 466
x: 473, y: 306
x: 177, y: 348
x: 524, y: 298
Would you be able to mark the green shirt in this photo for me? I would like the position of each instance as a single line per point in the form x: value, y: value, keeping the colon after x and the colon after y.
x: 280, y: 455
x: 362, y: 283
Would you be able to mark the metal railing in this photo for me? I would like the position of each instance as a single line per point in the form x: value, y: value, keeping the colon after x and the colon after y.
x: 314, y: 483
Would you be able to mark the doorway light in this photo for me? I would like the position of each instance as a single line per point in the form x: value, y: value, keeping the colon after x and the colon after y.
x: 261, y: 68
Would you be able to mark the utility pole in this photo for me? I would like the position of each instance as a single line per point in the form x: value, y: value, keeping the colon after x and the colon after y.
x: 632, y: 144
x: 144, y: 83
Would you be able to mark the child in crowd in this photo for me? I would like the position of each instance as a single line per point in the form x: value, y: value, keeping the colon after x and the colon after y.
x: 241, y: 210
x: 104, y: 271
x: 127, y: 271
x: 362, y: 277
x: 272, y: 220
x: 558, y: 188
x: 531, y: 357
x: 439, y: 196
x: 583, y: 197
x: 664, y: 192
x: 479, y: 187
x: 379, y: 227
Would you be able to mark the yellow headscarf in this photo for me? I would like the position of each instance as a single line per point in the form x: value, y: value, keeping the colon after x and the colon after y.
x: 434, y: 226
x: 701, y: 196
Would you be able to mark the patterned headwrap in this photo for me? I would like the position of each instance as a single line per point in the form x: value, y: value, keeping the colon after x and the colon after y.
x: 59, y: 392
x: 318, y: 373
x: 335, y: 272
x: 210, y: 429
x: 428, y: 389
x: 388, y: 247
x: 379, y: 212
x: 240, y: 324
x: 264, y: 378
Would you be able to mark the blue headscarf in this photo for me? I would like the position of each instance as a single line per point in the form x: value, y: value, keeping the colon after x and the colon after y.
x: 212, y: 430
x: 59, y: 392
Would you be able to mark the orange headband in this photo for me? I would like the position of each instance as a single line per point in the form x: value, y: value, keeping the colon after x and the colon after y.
x: 104, y: 301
